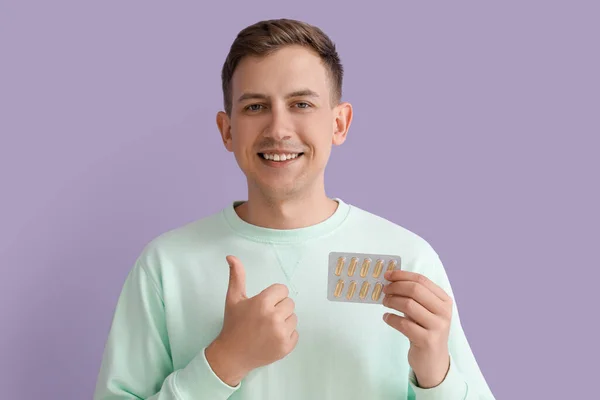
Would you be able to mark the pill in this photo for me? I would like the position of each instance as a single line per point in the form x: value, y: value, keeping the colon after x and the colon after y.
x: 365, y: 267
x: 364, y: 290
x: 352, y: 266
x: 340, y: 266
x: 391, y: 265
x: 351, y: 290
x: 378, y: 269
x: 377, y: 291
x: 338, y: 288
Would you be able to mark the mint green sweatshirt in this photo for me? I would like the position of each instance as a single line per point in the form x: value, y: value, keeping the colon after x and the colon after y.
x: 172, y: 302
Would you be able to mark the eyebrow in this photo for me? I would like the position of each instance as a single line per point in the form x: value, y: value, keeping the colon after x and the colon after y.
x: 297, y: 93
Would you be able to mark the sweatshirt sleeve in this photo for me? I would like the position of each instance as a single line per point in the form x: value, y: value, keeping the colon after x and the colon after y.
x: 464, y: 380
x: 137, y: 362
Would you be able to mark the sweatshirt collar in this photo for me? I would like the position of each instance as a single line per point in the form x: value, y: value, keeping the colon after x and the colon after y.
x: 270, y: 235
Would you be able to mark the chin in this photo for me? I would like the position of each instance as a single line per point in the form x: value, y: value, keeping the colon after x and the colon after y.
x: 279, y: 190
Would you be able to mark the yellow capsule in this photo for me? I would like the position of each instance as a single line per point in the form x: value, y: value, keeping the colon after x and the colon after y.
x: 377, y: 292
x: 340, y: 266
x: 351, y: 290
x: 378, y: 269
x: 391, y: 265
x: 352, y: 266
x: 364, y: 290
x: 365, y: 267
x: 338, y: 288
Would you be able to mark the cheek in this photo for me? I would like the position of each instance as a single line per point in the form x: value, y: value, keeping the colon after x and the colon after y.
x: 242, y: 138
x: 320, y: 130
x: 325, y: 136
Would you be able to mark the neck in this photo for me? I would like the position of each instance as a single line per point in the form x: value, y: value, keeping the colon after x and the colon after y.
x: 288, y: 213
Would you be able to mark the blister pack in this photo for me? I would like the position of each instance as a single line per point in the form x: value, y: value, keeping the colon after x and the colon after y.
x: 358, y: 277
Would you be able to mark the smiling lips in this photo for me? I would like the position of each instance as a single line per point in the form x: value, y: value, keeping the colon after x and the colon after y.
x: 279, y: 159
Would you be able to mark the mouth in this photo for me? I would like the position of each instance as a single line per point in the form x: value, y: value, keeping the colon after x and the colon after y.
x: 279, y: 159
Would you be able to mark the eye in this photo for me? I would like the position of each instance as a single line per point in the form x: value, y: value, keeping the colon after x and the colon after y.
x: 303, y: 105
x: 253, y: 107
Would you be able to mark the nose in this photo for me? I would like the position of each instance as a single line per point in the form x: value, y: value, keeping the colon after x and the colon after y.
x: 278, y: 127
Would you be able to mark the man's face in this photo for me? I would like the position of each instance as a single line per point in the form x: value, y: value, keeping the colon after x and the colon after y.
x: 282, y: 123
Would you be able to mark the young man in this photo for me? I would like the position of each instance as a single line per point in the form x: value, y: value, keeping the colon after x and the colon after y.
x: 235, y: 305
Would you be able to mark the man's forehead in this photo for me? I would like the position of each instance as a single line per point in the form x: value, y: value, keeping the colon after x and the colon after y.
x: 287, y: 63
x: 280, y: 83
x: 252, y: 95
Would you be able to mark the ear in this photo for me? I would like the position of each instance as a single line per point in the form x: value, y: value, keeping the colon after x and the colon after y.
x: 224, y: 125
x: 341, y: 123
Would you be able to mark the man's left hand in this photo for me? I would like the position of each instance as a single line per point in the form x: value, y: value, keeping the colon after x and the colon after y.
x: 427, y: 310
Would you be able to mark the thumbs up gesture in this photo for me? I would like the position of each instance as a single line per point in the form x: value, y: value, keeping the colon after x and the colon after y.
x: 256, y: 331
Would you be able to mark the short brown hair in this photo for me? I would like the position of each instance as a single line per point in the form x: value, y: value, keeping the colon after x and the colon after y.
x: 268, y: 36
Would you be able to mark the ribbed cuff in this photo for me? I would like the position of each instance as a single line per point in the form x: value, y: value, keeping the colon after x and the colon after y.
x: 198, y: 381
x: 453, y: 387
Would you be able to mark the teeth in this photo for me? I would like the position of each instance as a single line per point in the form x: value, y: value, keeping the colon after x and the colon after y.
x: 279, y: 157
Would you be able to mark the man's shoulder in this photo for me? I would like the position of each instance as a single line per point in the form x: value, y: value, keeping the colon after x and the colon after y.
x: 191, y: 236
x: 384, y: 229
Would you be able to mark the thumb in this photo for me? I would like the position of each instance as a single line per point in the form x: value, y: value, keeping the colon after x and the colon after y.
x: 237, y: 280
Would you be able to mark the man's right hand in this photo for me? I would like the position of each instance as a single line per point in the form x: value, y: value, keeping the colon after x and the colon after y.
x: 256, y: 331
